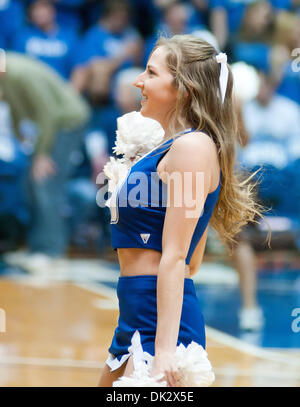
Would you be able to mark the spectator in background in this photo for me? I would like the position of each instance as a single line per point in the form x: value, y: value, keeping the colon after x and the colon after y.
x: 69, y: 14
x: 44, y: 39
x: 91, y: 12
x: 286, y: 5
x: 227, y: 15
x: 253, y: 42
x: 159, y: 7
x: 225, y: 19
x: 13, y: 163
x: 197, y: 11
x: 11, y: 21
x: 126, y: 98
x: 34, y: 91
x: 284, y: 64
x: 147, y: 9
x: 273, y: 124
x: 89, y: 224
x: 200, y: 16
x: 175, y: 21
x: 109, y: 46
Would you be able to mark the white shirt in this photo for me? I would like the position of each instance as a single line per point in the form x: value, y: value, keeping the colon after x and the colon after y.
x: 274, y: 132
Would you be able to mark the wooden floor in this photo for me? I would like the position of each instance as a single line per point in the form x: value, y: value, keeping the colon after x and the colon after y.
x: 57, y: 334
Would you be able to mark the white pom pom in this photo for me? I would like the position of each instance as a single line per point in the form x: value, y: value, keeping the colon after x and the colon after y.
x: 136, y: 136
x: 193, y: 365
x: 140, y: 378
x: 246, y: 81
x: 195, y: 368
x: 115, y: 170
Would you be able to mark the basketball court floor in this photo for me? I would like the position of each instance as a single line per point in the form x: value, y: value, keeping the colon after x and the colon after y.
x: 58, y: 328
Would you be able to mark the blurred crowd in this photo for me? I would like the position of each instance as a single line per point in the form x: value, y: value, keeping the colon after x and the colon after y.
x: 70, y: 68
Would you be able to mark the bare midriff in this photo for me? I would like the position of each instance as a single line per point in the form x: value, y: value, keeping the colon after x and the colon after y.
x: 135, y: 262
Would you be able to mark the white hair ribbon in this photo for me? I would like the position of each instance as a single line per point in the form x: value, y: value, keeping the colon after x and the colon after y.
x: 222, y: 59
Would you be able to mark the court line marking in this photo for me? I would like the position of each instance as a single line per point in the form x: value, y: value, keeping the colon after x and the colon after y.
x: 78, y: 272
x: 109, y: 303
x: 84, y: 364
x: 50, y: 362
x: 250, y: 349
x: 230, y: 371
x: 102, y: 290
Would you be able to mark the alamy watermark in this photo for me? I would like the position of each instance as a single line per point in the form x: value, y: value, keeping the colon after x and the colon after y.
x: 296, y: 321
x: 2, y: 60
x: 296, y: 62
x: 2, y: 321
x: 180, y: 190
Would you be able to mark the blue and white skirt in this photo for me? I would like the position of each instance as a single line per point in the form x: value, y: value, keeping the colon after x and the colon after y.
x: 138, y: 312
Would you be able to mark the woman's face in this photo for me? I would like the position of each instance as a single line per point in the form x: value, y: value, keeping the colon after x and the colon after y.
x: 42, y: 14
x: 156, y: 84
x: 260, y: 17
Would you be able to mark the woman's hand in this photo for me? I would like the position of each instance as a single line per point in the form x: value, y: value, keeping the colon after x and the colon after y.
x: 165, y: 363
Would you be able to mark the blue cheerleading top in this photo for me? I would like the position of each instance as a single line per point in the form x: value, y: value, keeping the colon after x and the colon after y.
x: 138, y: 214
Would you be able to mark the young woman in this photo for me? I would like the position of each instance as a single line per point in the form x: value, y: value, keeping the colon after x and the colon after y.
x: 187, y: 88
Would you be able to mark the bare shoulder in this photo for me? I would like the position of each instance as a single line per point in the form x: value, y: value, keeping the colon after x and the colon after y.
x: 195, y: 152
x: 192, y: 147
x: 195, y: 140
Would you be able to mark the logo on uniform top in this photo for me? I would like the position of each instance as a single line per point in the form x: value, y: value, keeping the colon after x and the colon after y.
x: 145, y: 237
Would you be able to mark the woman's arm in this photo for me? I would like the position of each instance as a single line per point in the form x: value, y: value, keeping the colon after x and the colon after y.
x: 189, y: 163
x: 169, y: 304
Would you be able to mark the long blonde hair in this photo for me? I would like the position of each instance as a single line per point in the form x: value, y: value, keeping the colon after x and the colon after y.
x: 246, y: 32
x: 193, y: 65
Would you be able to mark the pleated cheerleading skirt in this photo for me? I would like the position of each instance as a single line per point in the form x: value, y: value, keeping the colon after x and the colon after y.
x: 138, y: 312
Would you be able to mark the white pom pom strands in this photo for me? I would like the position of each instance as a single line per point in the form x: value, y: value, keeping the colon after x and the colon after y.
x: 223, y: 78
x: 136, y: 136
x: 193, y: 365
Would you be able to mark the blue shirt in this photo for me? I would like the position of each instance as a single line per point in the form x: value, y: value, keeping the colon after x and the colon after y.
x: 13, y: 199
x: 281, y: 4
x: 99, y: 42
x: 55, y: 48
x: 104, y: 119
x: 11, y: 20
x: 290, y: 83
x: 256, y: 54
x: 68, y: 13
x: 236, y: 8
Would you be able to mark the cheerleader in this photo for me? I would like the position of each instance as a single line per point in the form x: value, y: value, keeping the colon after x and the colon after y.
x: 160, y: 237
